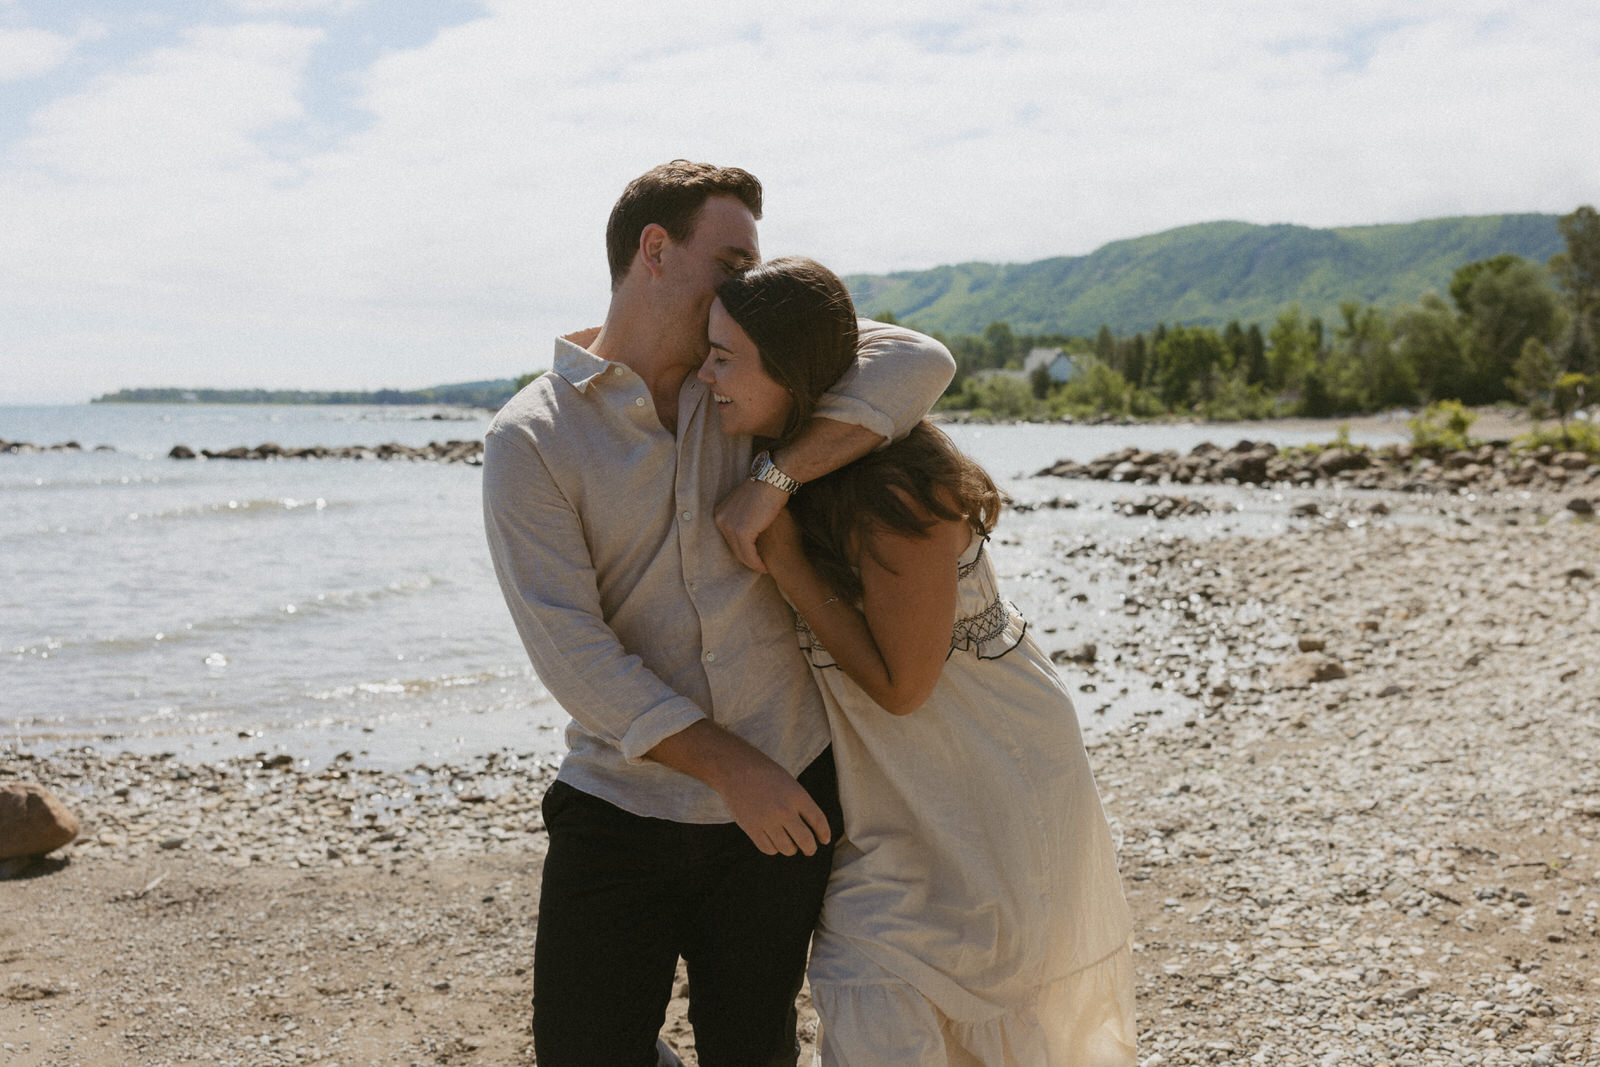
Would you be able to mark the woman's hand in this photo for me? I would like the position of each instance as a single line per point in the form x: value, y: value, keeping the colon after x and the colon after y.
x: 743, y: 514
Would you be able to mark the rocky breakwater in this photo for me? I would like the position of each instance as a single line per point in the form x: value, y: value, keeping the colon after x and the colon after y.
x: 469, y: 453
x: 16, y: 448
x: 1490, y: 467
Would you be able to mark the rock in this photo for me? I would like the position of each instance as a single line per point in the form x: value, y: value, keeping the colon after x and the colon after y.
x: 181, y: 452
x: 1580, y: 506
x: 1337, y: 460
x: 1311, y: 644
x: 1084, y: 653
x: 1064, y: 468
x: 1307, y: 668
x: 33, y: 821
x: 1245, y: 468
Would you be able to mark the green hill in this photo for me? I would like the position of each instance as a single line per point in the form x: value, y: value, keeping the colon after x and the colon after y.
x: 1207, y: 274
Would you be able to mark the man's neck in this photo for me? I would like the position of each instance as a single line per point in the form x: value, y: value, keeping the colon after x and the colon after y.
x: 635, y: 344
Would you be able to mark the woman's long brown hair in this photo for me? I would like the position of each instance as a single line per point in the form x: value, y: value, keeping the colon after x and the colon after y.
x: 894, y: 489
x: 803, y: 324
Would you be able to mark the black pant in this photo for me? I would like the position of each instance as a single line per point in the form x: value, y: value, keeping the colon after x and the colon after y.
x: 624, y: 896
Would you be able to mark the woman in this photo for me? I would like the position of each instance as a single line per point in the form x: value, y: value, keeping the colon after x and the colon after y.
x: 975, y: 914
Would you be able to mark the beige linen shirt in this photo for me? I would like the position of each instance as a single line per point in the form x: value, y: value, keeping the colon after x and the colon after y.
x: 637, y: 617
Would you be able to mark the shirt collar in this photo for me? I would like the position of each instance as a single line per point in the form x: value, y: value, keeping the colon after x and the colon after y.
x: 579, y: 366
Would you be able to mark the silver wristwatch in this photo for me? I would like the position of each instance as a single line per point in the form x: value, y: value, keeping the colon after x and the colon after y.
x: 762, y: 469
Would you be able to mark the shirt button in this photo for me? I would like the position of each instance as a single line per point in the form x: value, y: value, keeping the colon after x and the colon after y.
x: 711, y: 657
x: 638, y: 401
x: 687, y: 516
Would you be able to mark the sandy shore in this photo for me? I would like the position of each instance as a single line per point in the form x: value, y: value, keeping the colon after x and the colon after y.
x: 1397, y: 864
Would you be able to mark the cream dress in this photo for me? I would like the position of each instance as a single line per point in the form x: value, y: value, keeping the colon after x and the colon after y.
x: 975, y: 914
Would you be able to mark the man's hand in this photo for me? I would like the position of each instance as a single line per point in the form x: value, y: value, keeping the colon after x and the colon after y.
x: 743, y: 514
x: 773, y: 809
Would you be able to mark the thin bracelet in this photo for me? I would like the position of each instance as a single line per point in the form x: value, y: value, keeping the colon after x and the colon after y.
x: 822, y: 605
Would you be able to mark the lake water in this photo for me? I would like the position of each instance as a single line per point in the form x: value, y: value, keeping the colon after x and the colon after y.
x: 215, y: 608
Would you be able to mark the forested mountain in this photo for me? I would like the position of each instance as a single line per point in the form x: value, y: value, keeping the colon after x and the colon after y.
x: 1207, y: 274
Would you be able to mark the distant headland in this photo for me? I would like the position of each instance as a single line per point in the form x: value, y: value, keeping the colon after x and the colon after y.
x: 484, y: 394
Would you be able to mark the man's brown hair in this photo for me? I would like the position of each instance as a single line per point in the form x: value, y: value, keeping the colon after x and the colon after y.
x: 671, y: 196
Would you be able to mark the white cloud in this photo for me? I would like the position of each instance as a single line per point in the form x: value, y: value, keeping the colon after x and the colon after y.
x: 27, y: 53
x: 192, y: 217
x: 261, y: 8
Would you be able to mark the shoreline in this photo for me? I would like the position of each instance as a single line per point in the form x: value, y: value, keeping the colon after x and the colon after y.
x: 1397, y: 864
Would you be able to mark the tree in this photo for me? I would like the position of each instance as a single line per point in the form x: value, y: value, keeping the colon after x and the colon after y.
x: 1315, y: 403
x: 1429, y: 339
x: 1136, y: 361
x: 1367, y: 371
x: 1533, y: 377
x: 1105, y: 346
x: 1187, y: 359
x: 1002, y: 343
x: 1577, y: 273
x: 1294, y: 351
x: 1255, y: 349
x: 1503, y: 301
x: 1039, y: 381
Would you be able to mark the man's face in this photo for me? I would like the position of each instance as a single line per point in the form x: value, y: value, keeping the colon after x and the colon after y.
x: 722, y: 243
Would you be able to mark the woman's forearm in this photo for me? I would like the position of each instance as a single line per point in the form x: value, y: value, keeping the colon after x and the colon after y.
x: 898, y: 684
x: 841, y: 628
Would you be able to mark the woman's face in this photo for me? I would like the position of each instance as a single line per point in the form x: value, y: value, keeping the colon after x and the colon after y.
x: 748, y: 401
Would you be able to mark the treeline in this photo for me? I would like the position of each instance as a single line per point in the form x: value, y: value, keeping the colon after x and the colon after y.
x: 490, y: 394
x: 1509, y: 329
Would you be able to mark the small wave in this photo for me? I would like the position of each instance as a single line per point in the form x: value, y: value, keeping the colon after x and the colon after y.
x: 413, y: 686
x: 322, y: 604
x: 229, y: 508
x: 52, y: 484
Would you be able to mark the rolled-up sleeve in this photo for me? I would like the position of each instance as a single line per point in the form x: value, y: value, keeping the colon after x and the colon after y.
x: 547, y: 575
x: 896, y: 378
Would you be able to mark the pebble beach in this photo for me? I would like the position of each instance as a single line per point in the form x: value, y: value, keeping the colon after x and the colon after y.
x: 1374, y: 840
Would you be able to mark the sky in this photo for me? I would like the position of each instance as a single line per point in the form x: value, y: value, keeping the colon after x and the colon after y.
x: 329, y: 194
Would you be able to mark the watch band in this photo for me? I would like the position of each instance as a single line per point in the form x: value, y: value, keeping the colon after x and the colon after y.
x: 762, y: 469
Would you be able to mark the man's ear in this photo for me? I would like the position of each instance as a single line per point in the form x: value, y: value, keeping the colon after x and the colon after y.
x: 653, y: 241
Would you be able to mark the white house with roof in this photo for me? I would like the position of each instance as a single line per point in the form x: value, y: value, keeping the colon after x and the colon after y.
x: 1056, y: 362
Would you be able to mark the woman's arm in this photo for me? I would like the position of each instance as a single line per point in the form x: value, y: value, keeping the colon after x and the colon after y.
x: 895, y: 647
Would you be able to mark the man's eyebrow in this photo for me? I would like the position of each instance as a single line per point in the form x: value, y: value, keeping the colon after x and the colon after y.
x: 743, y: 255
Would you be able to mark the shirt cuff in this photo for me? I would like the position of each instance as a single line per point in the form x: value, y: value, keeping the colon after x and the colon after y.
x: 656, y: 725
x: 855, y: 412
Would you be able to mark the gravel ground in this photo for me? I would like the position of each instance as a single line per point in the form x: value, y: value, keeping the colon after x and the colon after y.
x: 1394, y: 864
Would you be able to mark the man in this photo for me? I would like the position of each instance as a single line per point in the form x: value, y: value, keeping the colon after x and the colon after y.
x: 694, y: 811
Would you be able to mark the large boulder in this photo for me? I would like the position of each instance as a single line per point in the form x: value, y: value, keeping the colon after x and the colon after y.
x: 1334, y: 461
x: 32, y: 821
x: 1246, y: 467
